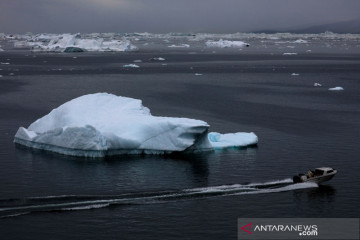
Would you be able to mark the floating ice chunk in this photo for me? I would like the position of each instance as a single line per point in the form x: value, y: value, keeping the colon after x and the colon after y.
x: 198, y: 74
x: 226, y: 43
x: 157, y: 59
x: 131, y: 66
x: 240, y: 139
x: 179, y: 46
x: 317, y: 85
x: 289, y: 53
x: 295, y: 74
x: 300, y: 41
x: 336, y: 89
x: 101, y: 124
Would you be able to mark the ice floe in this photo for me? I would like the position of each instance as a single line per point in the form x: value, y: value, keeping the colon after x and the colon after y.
x: 288, y: 53
x: 184, y: 45
x: 226, y: 43
x: 317, y: 85
x: 220, y: 141
x: 157, y: 59
x: 300, y: 41
x: 336, y: 89
x: 102, y: 124
x: 295, y: 74
x: 131, y: 66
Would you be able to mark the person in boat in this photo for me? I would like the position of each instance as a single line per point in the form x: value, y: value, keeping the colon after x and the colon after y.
x: 310, y: 174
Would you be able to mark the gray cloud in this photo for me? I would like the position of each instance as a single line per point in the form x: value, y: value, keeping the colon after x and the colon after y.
x: 17, y: 16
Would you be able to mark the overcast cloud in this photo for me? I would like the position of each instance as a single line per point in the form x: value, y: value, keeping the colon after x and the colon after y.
x: 57, y: 16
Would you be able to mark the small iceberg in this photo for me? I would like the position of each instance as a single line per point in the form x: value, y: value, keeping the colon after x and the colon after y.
x: 157, y: 59
x: 226, y: 43
x: 131, y: 65
x: 102, y: 124
x: 317, y: 85
x: 289, y: 53
x: 300, y: 41
x: 179, y: 46
x: 336, y: 89
x: 221, y: 141
x: 198, y: 74
x: 295, y: 74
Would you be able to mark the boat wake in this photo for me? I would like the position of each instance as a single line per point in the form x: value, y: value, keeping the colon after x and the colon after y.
x: 23, y: 206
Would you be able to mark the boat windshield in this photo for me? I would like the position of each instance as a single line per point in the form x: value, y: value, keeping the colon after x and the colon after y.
x: 318, y: 172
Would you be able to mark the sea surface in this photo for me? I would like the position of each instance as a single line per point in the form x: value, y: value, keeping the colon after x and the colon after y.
x: 196, y: 196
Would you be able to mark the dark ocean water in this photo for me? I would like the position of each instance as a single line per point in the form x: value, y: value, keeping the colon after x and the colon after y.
x: 199, y: 196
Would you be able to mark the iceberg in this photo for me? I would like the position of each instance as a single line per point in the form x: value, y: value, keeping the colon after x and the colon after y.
x: 229, y: 140
x: 226, y: 43
x: 74, y: 43
x: 131, y: 65
x: 336, y: 89
x: 102, y: 124
x: 317, y: 85
x: 184, y: 45
x: 300, y: 41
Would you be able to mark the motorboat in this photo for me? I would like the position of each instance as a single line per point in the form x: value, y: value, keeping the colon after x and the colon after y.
x: 318, y: 175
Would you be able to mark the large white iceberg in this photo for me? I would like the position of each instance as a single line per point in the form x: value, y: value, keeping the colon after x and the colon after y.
x: 62, y: 42
x: 102, y: 124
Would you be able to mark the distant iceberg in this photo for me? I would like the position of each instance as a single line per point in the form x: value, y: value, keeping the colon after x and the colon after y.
x: 184, y: 45
x: 336, y: 89
x: 300, y: 41
x: 102, y: 124
x: 69, y: 42
x: 131, y: 65
x: 226, y: 43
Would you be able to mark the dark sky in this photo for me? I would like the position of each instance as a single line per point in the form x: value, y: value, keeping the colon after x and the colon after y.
x: 159, y: 16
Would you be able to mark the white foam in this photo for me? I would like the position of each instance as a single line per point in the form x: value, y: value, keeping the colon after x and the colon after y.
x: 289, y: 53
x: 86, y: 207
